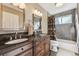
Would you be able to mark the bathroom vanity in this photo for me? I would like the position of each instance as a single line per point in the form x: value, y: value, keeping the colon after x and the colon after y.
x: 34, y: 46
x: 14, y: 20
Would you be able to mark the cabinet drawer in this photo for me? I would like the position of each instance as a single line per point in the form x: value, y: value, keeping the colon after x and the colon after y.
x: 18, y: 50
x: 26, y: 47
x: 26, y: 53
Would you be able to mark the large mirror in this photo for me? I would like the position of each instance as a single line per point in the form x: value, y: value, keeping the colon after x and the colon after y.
x: 37, y: 23
x: 11, y: 18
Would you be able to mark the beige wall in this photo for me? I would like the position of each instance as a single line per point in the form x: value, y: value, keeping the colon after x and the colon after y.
x: 0, y: 16
x: 28, y: 15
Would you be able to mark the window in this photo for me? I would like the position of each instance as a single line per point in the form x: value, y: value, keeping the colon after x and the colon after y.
x: 63, y: 19
x: 58, y: 20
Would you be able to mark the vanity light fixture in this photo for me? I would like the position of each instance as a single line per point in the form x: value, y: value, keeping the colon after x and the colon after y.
x: 59, y: 4
x: 40, y: 14
x: 37, y: 12
x: 22, y: 6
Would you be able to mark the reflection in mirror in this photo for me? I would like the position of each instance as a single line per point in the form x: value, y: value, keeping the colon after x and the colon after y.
x: 10, y: 21
x: 37, y: 23
x: 11, y: 18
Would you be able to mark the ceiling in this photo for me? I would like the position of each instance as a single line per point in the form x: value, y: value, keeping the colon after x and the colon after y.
x: 51, y: 9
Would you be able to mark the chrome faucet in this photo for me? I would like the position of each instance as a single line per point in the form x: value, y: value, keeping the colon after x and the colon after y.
x: 20, y: 36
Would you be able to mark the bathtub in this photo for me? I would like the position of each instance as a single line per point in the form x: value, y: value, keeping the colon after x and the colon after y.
x: 65, y: 44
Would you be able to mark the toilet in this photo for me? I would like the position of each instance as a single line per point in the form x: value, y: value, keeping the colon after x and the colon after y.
x: 53, y: 45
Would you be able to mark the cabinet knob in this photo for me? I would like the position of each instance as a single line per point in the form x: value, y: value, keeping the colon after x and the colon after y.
x: 22, y: 49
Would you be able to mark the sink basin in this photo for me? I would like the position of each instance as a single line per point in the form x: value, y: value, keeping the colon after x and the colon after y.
x: 16, y: 41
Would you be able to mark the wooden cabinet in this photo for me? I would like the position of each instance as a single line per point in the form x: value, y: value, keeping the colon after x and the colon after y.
x: 47, y: 46
x: 42, y: 47
x: 41, y: 53
x: 38, y: 48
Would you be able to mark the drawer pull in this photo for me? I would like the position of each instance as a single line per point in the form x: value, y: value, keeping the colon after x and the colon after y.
x: 22, y: 49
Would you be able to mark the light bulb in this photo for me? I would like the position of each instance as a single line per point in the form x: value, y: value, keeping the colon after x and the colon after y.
x: 35, y: 12
x: 22, y: 5
x: 59, y: 4
x: 40, y: 14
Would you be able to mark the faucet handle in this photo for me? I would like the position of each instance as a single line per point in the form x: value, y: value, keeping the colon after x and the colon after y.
x: 16, y: 35
x: 20, y: 36
x: 10, y: 37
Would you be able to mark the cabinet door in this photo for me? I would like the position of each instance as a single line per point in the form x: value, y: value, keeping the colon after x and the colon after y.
x: 47, y: 46
x: 39, y: 48
x: 41, y: 53
x: 47, y: 49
